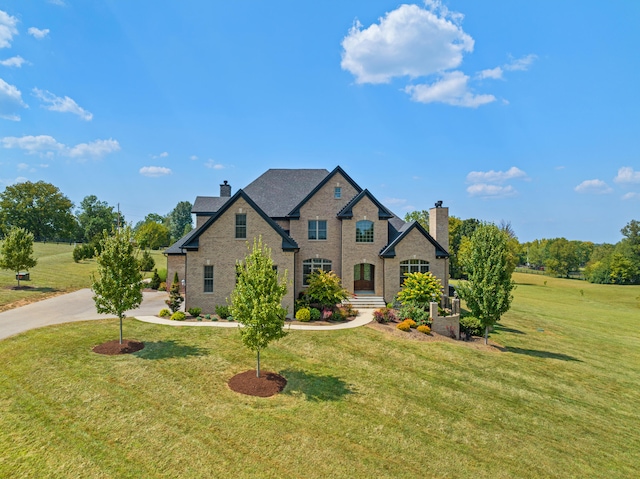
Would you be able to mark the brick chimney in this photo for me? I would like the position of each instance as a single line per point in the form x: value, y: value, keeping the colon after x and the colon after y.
x: 225, y: 189
x: 439, y: 224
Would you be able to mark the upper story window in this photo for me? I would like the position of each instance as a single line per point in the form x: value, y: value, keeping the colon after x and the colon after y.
x: 317, y: 230
x: 364, y: 231
x: 337, y: 192
x: 241, y: 226
x: 310, y: 265
x: 412, y: 266
x: 208, y: 279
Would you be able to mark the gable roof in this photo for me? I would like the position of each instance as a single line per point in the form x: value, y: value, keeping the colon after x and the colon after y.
x: 390, y: 252
x: 192, y: 242
x: 347, y: 211
x: 208, y: 204
x: 176, y: 248
x: 294, y: 213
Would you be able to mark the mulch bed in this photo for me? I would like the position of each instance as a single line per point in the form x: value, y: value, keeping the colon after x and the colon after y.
x: 111, y: 348
x: 268, y: 384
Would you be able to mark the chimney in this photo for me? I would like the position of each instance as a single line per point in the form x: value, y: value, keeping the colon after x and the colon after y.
x: 439, y: 224
x: 225, y: 189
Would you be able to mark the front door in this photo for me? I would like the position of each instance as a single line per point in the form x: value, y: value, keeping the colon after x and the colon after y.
x: 363, y: 277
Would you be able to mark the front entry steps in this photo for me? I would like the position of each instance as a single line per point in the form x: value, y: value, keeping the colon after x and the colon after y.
x: 363, y: 301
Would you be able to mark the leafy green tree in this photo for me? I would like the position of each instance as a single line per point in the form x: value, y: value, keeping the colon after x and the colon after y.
x: 325, y: 289
x: 40, y: 208
x: 147, y: 262
x: 562, y: 257
x: 175, y: 298
x: 117, y: 285
x: 152, y: 235
x: 487, y: 293
x: 420, y: 289
x: 421, y: 217
x: 17, y: 251
x: 179, y: 219
x: 458, y: 231
x: 622, y: 269
x: 96, y: 216
x: 256, y: 300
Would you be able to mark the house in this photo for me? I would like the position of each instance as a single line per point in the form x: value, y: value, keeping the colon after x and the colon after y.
x: 310, y: 218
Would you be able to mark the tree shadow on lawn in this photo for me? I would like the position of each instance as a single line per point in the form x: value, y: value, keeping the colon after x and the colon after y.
x: 315, y: 387
x: 169, y: 349
x: 499, y: 329
x: 33, y: 289
x: 540, y: 354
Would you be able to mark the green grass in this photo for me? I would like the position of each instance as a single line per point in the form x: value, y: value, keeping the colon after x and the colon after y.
x: 561, y: 400
x: 55, y: 272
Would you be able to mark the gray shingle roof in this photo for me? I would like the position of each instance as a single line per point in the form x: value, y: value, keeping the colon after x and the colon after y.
x: 208, y: 204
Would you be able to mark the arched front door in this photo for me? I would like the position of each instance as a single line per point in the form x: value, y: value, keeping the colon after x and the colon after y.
x: 363, y: 275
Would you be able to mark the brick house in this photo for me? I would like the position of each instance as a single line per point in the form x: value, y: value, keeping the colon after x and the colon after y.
x: 310, y: 218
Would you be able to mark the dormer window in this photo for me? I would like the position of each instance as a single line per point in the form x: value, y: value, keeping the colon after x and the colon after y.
x: 364, y: 231
x: 337, y: 192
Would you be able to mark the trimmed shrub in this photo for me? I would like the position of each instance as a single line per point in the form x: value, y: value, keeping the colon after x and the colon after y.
x: 83, y: 251
x: 404, y: 326
x: 315, y: 314
x: 164, y: 313
x: 420, y: 288
x: 415, y: 312
x: 162, y: 287
x: 175, y: 298
x: 155, y: 280
x: 384, y: 315
x: 162, y: 272
x: 411, y: 323
x: 325, y: 289
x: 195, y: 311
x: 222, y: 311
x: 471, y: 326
x: 340, y: 314
x: 423, y: 328
x: 303, y: 314
x: 207, y: 316
x: 178, y: 316
x: 146, y: 262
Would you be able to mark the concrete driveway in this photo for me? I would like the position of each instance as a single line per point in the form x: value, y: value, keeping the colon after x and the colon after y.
x: 76, y: 306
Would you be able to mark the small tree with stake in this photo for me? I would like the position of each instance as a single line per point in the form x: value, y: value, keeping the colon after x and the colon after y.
x: 117, y: 286
x: 17, y: 251
x: 175, y: 298
x: 255, y: 301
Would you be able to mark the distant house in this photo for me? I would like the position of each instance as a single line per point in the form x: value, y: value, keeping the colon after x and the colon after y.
x: 311, y: 219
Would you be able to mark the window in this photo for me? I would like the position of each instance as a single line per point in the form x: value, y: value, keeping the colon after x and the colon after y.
x: 412, y: 266
x: 241, y: 226
x: 364, y: 231
x: 310, y: 265
x: 208, y: 279
x: 317, y: 229
x: 337, y: 192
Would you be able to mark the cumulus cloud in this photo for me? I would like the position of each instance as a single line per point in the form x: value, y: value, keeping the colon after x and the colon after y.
x: 491, y: 191
x: 493, y: 73
x: 61, y: 104
x: 193, y: 157
x: 47, y: 146
x: 631, y: 195
x: 15, y: 62
x: 594, y: 187
x: 492, y: 176
x: 164, y: 154
x: 154, y: 171
x: 626, y: 174
x: 452, y: 89
x: 409, y: 41
x: 7, y: 29
x: 521, y: 64
x: 38, y: 33
x: 10, y: 101
x: 213, y: 165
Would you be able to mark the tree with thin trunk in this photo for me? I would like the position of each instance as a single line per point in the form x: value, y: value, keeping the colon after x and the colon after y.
x: 17, y: 251
x: 118, y: 284
x: 487, y: 293
x: 256, y: 300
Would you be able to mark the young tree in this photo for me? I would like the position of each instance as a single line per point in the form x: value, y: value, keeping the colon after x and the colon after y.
x: 17, y: 251
x: 256, y: 300
x: 175, y: 298
x: 488, y: 290
x: 117, y: 286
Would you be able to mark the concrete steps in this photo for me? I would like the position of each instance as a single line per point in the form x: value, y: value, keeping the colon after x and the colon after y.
x: 363, y: 301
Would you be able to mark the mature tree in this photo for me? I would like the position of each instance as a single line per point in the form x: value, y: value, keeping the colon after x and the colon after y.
x: 96, y: 216
x: 179, y: 219
x: 256, y: 300
x: 421, y: 217
x: 487, y: 293
x: 458, y: 230
x: 562, y: 257
x: 152, y: 235
x: 40, y: 208
x: 17, y: 251
x: 117, y: 285
x: 151, y: 218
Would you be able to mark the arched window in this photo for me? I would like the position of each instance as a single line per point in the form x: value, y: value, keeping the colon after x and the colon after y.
x: 310, y: 265
x: 412, y: 266
x: 364, y: 231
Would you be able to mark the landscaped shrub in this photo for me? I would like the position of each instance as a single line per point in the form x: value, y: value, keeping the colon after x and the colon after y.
x: 420, y: 288
x: 411, y: 323
x: 423, y: 328
x: 162, y: 287
x: 207, y: 316
x: 164, y: 313
x: 384, y: 315
x: 178, y: 316
x: 162, y: 272
x: 315, y: 314
x: 155, y: 280
x: 348, y: 308
x: 222, y: 311
x: 415, y: 312
x: 146, y: 261
x: 470, y: 325
x: 83, y: 251
x: 303, y: 314
x: 403, y: 326
x: 195, y: 311
x: 324, y: 288
x: 340, y: 314
x: 175, y: 298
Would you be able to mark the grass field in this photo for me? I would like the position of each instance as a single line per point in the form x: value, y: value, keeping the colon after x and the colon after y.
x: 55, y: 272
x: 561, y: 400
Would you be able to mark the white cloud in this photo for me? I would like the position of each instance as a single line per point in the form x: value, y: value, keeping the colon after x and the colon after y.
x: 213, y: 165
x: 37, y: 33
x: 10, y: 101
x: 164, y: 154
x: 7, y: 29
x: 22, y: 166
x: 491, y: 191
x: 409, y: 41
x: 48, y: 146
x: 15, y: 62
x: 626, y: 174
x: 59, y: 3
x: 492, y: 176
x: 631, y: 195
x: 452, y: 88
x: 493, y: 73
x: 193, y: 157
x: 64, y: 105
x: 596, y: 187
x: 521, y: 64
x: 154, y: 171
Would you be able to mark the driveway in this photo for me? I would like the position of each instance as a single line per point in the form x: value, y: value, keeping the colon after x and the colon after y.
x: 76, y: 306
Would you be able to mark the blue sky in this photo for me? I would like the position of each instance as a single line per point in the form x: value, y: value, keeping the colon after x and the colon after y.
x: 518, y: 111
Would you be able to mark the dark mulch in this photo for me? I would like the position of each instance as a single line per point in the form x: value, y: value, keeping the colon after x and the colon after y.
x: 114, y: 347
x: 268, y: 384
